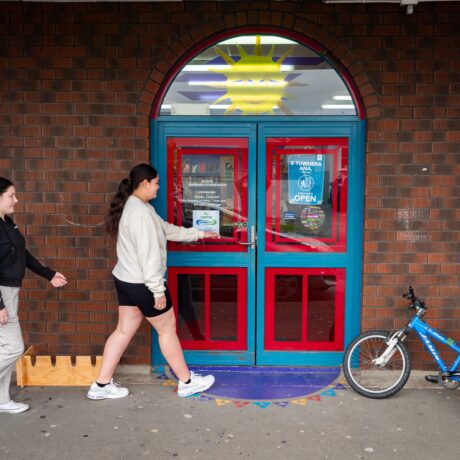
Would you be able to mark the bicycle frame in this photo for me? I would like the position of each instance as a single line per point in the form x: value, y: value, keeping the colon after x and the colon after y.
x: 425, y: 331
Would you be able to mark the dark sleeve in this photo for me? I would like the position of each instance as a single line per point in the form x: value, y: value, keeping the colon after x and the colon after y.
x: 37, y: 267
x: 2, y: 304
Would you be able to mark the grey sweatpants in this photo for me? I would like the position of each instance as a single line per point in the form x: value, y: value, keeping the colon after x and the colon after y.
x: 11, y: 343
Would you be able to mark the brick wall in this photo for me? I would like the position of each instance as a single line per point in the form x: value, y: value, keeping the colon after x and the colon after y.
x: 77, y: 83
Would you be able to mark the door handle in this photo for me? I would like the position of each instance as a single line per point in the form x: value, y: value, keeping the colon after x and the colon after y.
x: 252, y: 238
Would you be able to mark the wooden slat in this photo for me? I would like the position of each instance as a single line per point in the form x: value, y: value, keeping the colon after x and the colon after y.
x: 63, y: 373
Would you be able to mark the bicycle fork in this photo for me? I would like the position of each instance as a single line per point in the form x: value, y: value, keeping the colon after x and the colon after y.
x: 383, y: 359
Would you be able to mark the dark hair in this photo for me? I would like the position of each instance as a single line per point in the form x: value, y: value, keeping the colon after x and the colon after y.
x: 5, y: 184
x: 126, y: 187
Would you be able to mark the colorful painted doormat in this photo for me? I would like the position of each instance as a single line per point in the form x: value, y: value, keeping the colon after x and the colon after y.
x: 263, y: 386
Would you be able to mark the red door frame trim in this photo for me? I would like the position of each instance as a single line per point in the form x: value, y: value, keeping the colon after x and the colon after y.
x: 276, y: 245
x: 240, y: 343
x: 211, y: 146
x: 304, y: 345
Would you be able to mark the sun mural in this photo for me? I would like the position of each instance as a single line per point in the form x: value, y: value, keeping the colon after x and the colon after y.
x: 255, y: 83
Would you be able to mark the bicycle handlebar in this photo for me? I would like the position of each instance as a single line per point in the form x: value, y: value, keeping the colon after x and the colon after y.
x: 415, y: 301
x: 410, y: 294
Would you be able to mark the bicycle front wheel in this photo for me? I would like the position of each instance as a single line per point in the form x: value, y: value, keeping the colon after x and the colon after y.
x: 368, y: 379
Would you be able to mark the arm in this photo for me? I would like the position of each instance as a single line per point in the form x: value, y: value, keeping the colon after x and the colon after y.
x: 55, y: 278
x: 175, y: 233
x: 37, y: 267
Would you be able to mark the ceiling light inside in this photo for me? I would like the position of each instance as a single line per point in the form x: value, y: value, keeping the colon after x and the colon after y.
x: 337, y: 106
x: 209, y: 67
x: 264, y: 40
x: 342, y: 98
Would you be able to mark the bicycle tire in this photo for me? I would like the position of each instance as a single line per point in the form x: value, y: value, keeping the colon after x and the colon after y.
x: 366, y: 378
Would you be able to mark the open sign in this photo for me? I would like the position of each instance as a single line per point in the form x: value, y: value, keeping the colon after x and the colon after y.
x: 306, y: 178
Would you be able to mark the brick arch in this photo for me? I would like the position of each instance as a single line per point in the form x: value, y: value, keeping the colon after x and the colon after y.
x: 276, y: 22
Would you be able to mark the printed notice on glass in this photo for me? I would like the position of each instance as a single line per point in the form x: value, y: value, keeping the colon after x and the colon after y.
x: 207, y: 221
x: 205, y: 192
x: 306, y: 179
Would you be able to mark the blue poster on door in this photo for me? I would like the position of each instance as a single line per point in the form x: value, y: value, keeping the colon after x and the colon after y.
x: 306, y: 179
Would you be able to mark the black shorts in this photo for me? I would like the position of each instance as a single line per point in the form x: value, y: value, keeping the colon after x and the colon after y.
x: 139, y: 295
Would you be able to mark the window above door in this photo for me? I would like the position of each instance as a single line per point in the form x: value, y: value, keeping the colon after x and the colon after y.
x: 258, y: 75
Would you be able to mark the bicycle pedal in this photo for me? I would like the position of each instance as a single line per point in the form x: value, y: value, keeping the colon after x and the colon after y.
x: 432, y: 378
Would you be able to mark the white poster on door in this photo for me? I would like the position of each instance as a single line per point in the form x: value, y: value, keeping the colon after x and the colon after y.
x: 207, y: 221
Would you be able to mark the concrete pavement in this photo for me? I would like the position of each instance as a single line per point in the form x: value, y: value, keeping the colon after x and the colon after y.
x: 421, y: 422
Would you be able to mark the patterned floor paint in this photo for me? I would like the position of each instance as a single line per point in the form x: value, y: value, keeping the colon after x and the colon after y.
x: 264, y: 386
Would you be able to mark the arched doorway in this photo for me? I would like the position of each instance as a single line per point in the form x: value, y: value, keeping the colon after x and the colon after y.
x: 259, y: 137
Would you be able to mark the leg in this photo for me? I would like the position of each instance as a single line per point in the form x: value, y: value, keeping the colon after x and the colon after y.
x: 165, y: 325
x: 129, y: 320
x: 11, y: 343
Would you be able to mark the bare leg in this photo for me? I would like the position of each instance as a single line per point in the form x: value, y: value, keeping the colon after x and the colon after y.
x: 129, y: 320
x: 165, y: 325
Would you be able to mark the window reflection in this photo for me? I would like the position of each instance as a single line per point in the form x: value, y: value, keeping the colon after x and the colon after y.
x: 321, y: 308
x: 207, y: 185
x: 315, y: 313
x: 211, y: 307
x: 288, y: 307
x: 224, y: 301
x: 190, y: 303
x: 306, y: 194
x: 304, y: 309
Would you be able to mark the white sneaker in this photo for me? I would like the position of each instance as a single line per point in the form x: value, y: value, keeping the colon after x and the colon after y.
x: 13, y: 407
x: 111, y: 391
x: 197, y: 384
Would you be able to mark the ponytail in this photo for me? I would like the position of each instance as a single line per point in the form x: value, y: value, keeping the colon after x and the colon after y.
x: 116, y: 206
x: 126, y: 187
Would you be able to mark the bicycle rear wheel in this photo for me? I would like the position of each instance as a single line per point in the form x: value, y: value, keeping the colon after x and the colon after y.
x: 368, y: 379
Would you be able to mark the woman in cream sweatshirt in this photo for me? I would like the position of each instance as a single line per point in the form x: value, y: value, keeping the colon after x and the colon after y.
x: 139, y: 280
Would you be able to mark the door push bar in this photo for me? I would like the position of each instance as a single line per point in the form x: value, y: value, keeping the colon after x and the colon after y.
x: 252, y: 238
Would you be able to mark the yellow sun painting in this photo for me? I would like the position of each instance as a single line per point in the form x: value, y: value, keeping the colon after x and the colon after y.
x: 255, y: 83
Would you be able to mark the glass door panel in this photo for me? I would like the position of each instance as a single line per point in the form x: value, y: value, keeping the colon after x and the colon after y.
x: 306, y: 194
x: 304, y: 262
x: 304, y: 309
x: 207, y: 189
x: 212, y: 282
x: 211, y: 307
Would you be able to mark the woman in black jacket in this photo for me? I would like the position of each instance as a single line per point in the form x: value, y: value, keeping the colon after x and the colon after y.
x: 14, y: 259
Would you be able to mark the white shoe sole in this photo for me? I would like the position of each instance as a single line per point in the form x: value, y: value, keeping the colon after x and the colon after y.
x: 196, y: 390
x: 99, y: 397
x: 14, y: 411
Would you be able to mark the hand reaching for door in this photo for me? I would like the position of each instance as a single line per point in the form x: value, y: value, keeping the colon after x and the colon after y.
x: 211, y: 235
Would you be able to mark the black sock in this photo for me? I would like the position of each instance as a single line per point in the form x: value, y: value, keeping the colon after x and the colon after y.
x: 101, y: 385
x: 188, y: 381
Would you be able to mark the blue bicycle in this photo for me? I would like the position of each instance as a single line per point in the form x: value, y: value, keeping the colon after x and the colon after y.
x: 377, y: 364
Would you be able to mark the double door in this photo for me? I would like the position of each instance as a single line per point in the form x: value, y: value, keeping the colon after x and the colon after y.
x: 281, y: 285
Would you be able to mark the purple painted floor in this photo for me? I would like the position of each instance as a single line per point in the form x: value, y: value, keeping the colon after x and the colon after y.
x: 268, y: 383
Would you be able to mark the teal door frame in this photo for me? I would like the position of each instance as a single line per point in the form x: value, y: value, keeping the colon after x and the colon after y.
x: 208, y: 259
x: 351, y: 260
x: 257, y: 129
